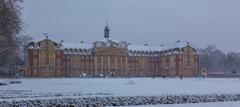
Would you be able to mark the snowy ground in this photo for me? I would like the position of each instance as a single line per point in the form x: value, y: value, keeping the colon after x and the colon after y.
x: 211, y: 104
x: 75, y: 87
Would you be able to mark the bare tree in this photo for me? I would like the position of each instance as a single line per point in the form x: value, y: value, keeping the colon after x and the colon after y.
x: 232, y: 61
x: 25, y: 39
x: 206, y: 57
x: 10, y: 29
x: 216, y: 61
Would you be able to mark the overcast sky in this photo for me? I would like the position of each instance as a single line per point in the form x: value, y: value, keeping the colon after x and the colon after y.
x: 155, y: 22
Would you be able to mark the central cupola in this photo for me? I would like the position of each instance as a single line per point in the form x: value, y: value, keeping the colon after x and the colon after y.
x: 106, y: 31
x: 108, y: 42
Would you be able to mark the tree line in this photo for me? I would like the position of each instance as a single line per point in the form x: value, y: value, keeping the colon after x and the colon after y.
x: 216, y: 61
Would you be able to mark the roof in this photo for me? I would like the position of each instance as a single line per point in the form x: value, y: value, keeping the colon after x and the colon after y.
x: 178, y: 44
x: 105, y: 42
x: 109, y: 40
x: 144, y: 48
x: 77, y: 45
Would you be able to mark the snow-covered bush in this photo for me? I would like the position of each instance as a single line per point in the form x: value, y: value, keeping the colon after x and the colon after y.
x: 120, y: 101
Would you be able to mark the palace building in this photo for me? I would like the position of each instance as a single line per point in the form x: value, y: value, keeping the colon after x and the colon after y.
x: 110, y: 58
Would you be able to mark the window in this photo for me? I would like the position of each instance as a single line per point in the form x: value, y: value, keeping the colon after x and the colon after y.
x: 58, y: 62
x: 35, y: 53
x: 35, y: 71
x: 35, y: 62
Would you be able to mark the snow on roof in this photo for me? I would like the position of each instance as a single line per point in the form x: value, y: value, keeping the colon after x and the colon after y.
x: 178, y: 44
x: 165, y: 49
x: 41, y: 38
x: 144, y: 48
x: 77, y: 45
x: 109, y: 40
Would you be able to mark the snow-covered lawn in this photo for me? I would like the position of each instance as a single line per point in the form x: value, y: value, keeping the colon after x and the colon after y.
x: 211, y: 104
x: 72, y: 87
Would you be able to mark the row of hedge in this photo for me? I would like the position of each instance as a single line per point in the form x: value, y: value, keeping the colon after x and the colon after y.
x: 119, y: 100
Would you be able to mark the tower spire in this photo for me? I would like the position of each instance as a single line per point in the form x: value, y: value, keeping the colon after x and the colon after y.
x: 106, y: 30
